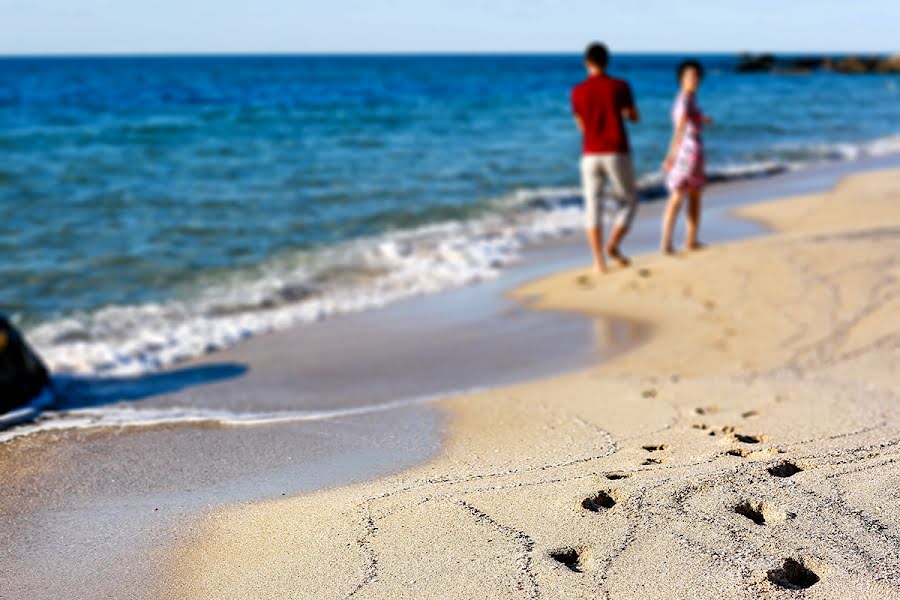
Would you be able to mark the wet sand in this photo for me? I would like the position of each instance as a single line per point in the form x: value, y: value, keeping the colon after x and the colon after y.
x: 750, y: 447
x: 98, y: 510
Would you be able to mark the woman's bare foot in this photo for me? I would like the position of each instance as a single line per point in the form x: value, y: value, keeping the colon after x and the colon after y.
x: 667, y: 250
x: 599, y: 269
x: 616, y: 255
x: 585, y: 281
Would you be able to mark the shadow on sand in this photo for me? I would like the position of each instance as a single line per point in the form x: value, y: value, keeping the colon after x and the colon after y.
x: 89, y: 391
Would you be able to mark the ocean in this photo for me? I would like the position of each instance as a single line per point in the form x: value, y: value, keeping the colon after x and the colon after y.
x: 153, y: 209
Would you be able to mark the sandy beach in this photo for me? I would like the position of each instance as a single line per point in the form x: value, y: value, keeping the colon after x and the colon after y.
x: 748, y: 448
x: 321, y: 301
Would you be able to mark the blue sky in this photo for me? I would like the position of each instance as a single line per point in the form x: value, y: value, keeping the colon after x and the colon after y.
x: 152, y: 26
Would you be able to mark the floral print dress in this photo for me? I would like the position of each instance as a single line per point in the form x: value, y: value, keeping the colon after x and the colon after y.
x: 688, y: 170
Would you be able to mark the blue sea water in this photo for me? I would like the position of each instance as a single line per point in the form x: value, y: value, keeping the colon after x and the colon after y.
x: 152, y: 209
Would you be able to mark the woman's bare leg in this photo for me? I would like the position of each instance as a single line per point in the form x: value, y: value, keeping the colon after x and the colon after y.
x: 672, y: 207
x: 693, y: 219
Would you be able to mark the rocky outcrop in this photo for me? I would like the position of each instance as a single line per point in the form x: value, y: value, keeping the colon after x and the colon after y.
x: 22, y: 374
x: 854, y: 64
x: 890, y: 65
x: 753, y: 63
x: 769, y: 63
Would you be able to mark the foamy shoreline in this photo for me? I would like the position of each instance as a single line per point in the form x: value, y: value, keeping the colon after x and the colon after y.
x: 353, y: 277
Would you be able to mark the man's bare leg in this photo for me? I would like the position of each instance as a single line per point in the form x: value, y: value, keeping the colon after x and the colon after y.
x: 595, y: 239
x: 672, y: 207
x: 612, y: 247
x: 693, y: 220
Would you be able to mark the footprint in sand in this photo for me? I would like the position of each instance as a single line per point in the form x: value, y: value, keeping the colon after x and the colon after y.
x: 707, y: 410
x: 701, y: 426
x: 644, y: 272
x: 576, y: 559
x: 655, y: 447
x: 584, y: 282
x: 602, y: 500
x: 745, y: 453
x: 750, y: 414
x: 615, y: 476
x: 793, y: 575
x: 649, y: 393
x: 728, y: 430
x: 750, y: 439
x: 761, y: 513
x: 784, y: 469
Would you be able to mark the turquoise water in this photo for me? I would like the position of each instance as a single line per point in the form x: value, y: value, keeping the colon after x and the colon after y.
x: 152, y: 209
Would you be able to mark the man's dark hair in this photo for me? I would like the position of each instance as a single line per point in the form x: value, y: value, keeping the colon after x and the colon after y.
x: 690, y: 64
x: 597, y: 55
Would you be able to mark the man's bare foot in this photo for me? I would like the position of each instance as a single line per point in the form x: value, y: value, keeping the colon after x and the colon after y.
x: 692, y: 246
x: 616, y: 255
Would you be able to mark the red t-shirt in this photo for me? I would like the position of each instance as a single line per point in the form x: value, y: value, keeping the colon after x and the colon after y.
x: 599, y: 101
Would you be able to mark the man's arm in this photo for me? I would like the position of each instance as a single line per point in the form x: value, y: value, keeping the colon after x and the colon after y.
x: 579, y: 123
x: 630, y: 110
x: 573, y: 99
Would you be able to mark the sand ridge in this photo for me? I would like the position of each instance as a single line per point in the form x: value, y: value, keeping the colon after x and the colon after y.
x: 749, y: 448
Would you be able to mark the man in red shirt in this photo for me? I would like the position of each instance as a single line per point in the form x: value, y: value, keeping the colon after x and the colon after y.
x: 601, y: 103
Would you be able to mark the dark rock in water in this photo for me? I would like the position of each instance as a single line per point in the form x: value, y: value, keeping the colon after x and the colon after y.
x: 22, y: 374
x: 855, y: 64
x: 890, y: 64
x: 802, y: 64
x: 755, y: 63
x: 769, y: 63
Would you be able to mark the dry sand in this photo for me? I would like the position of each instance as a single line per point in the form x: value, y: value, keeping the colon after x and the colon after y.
x: 750, y: 448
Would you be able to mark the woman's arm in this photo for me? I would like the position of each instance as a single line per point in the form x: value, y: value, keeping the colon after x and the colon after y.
x: 676, y: 142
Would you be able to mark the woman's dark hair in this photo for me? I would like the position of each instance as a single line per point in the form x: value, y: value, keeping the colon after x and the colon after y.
x: 690, y: 64
x: 597, y: 55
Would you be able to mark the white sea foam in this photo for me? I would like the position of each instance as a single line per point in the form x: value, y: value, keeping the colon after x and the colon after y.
x: 351, y: 277
x: 816, y: 153
x: 117, y: 416
x: 882, y: 146
x: 362, y: 275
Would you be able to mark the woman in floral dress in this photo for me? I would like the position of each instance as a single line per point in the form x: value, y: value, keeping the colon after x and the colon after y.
x: 684, y: 164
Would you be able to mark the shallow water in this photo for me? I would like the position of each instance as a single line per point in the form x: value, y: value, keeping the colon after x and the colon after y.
x: 153, y: 209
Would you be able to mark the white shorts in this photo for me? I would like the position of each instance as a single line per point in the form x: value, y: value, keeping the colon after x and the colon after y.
x: 596, y: 170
